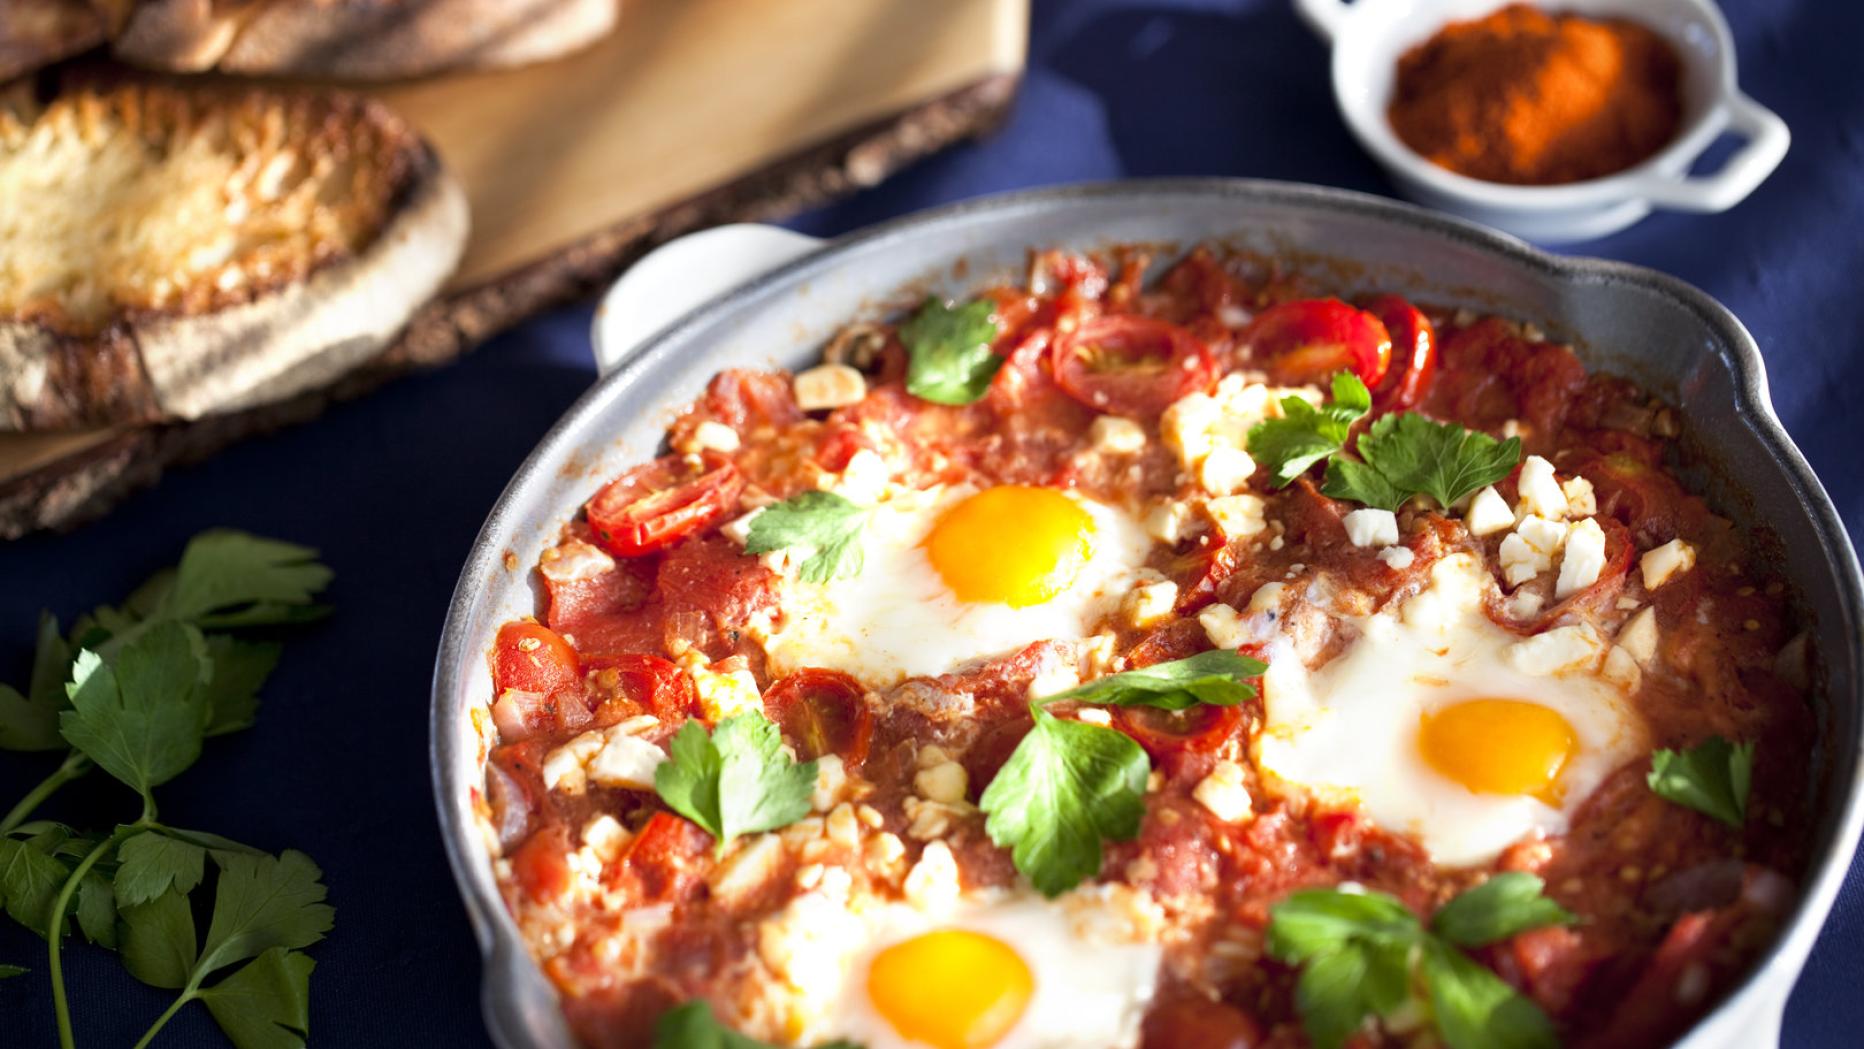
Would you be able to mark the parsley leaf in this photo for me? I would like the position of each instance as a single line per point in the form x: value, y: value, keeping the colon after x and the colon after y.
x: 1068, y: 787
x: 1412, y: 454
x: 1216, y: 678
x: 97, y: 909
x: 142, y: 720
x: 692, y: 1026
x: 1304, y: 435
x: 7, y: 972
x: 229, y: 578
x: 736, y: 781
x: 1712, y: 777
x: 828, y: 524
x: 158, y: 941
x: 151, y: 863
x: 949, y: 356
x: 1475, y: 1009
x: 1362, y: 953
x: 30, y: 878
x: 263, y: 902
x: 266, y: 1004
x: 30, y: 721
x: 239, y: 669
x: 1497, y: 909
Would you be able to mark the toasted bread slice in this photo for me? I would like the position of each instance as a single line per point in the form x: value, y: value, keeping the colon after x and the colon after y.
x: 36, y: 33
x: 356, y: 39
x: 174, y: 250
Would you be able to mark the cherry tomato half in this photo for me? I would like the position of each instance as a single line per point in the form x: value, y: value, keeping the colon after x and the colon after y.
x: 1414, y: 352
x: 1132, y: 366
x: 666, y: 859
x: 1308, y: 340
x: 1164, y: 733
x: 822, y: 712
x: 632, y: 684
x: 531, y: 657
x: 656, y: 504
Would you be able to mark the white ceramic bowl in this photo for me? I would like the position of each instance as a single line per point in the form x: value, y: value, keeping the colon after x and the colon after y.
x: 1368, y: 36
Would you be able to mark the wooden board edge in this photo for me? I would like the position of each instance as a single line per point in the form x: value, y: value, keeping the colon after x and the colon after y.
x: 87, y: 483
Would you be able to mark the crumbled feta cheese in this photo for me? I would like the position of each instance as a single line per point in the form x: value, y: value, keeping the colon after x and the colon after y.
x: 1528, y: 550
x: 1525, y: 604
x: 746, y: 869
x: 933, y: 882
x: 712, y: 436
x: 1267, y: 598
x: 1223, y: 626
x: 1558, y: 650
x: 722, y: 695
x: 1170, y: 521
x: 1149, y: 603
x: 605, y: 836
x: 1223, y: 793
x: 1488, y: 513
x: 1666, y: 561
x: 1540, y: 490
x: 1053, y: 676
x: 1113, y: 435
x: 1225, y: 470
x: 831, y: 778
x: 573, y: 561
x: 1096, y: 655
x: 945, y: 782
x: 1581, y: 500
x: 829, y: 386
x: 1371, y: 527
x: 1621, y: 669
x: 1237, y: 515
x: 864, y: 479
x: 1639, y: 636
x: 1198, y: 423
x: 625, y: 761
x: 1583, y: 560
x: 1094, y: 716
x: 563, y: 767
x: 1397, y: 557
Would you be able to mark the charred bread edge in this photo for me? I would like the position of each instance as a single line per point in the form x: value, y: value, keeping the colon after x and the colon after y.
x: 87, y: 483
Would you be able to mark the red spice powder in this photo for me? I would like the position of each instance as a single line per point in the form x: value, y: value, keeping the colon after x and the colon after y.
x: 1528, y: 97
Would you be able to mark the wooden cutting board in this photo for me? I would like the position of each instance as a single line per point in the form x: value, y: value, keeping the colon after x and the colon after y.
x: 693, y: 112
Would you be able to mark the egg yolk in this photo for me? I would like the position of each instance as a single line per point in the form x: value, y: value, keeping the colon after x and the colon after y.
x: 1499, y: 746
x: 951, y: 989
x: 1012, y: 545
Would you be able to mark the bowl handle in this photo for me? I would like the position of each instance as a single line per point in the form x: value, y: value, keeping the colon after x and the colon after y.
x: 680, y: 275
x: 1767, y: 139
x: 1324, y: 16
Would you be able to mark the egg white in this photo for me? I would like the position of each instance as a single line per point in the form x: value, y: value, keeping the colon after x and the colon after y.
x: 896, y: 618
x: 1094, y: 970
x: 1347, y: 732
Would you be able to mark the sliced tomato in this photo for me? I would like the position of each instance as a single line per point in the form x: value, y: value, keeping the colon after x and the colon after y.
x: 667, y: 859
x: 634, y: 683
x: 822, y: 712
x: 1130, y: 365
x: 657, y: 504
x: 1414, y: 352
x: 541, y: 865
x: 1308, y: 340
x: 531, y: 657
x: 1165, y: 733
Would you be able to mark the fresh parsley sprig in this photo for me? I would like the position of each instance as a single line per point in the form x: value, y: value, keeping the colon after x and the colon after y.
x: 134, y: 691
x: 1070, y: 786
x: 1712, y: 777
x: 736, y: 779
x: 1399, y: 456
x: 827, y: 524
x: 949, y: 359
x: 692, y: 1026
x: 1364, y: 953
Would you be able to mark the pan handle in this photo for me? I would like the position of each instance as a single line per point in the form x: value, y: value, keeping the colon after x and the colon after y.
x: 671, y: 280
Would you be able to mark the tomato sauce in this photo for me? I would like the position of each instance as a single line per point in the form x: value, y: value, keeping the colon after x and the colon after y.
x: 1673, y: 905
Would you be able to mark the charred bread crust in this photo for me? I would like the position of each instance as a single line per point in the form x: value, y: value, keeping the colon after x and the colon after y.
x: 369, y: 227
x: 357, y: 39
x: 36, y: 33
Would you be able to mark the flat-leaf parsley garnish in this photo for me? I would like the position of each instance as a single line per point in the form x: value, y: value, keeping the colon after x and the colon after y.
x: 1304, y: 435
x: 1217, y: 678
x: 738, y: 780
x: 1407, y: 454
x: 949, y: 359
x: 827, y: 524
x: 1070, y: 786
x: 1712, y: 777
x: 1364, y: 954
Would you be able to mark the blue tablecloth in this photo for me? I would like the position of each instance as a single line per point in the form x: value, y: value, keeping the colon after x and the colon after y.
x: 392, y: 488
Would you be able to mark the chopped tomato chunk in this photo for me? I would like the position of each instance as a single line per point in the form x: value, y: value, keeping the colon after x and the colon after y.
x: 667, y: 860
x: 531, y: 657
x: 653, y: 506
x: 541, y: 865
x: 633, y: 684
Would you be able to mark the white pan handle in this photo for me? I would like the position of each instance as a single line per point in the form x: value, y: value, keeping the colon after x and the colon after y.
x: 1324, y: 16
x: 679, y: 275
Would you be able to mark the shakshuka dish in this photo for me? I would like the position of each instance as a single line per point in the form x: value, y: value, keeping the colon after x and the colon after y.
x: 1153, y: 654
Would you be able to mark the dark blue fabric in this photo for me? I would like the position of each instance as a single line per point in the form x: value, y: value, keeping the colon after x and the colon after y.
x: 392, y: 488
